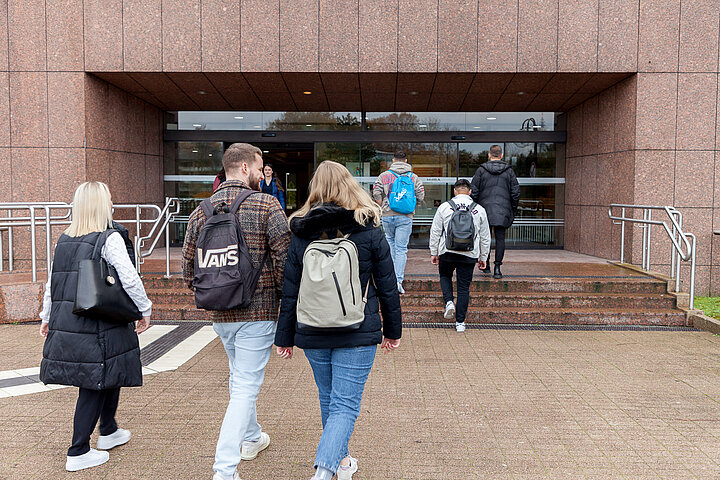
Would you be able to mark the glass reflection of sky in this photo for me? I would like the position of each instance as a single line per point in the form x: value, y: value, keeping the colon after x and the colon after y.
x: 397, y: 121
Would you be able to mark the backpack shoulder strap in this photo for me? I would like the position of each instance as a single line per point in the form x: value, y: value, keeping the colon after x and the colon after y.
x: 472, y: 207
x: 452, y: 204
x: 207, y: 208
x: 242, y: 196
x: 394, y: 174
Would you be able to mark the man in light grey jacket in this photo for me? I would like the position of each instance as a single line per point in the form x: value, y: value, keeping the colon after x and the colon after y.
x: 397, y: 226
x: 462, y: 262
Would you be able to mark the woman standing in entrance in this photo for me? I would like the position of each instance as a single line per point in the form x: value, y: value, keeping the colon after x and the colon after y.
x: 271, y: 185
x: 341, y: 361
x: 97, y: 356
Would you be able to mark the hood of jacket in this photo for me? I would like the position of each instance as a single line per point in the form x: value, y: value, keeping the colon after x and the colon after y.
x: 401, y: 167
x: 496, y: 167
x: 325, y: 218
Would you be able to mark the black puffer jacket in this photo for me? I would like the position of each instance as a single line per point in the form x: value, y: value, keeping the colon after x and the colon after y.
x: 83, y: 351
x: 496, y: 188
x: 375, y: 259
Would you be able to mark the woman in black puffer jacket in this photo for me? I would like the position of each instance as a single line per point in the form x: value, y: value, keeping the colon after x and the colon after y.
x: 341, y: 361
x: 95, y: 355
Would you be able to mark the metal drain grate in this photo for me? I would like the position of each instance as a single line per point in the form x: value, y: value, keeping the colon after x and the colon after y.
x: 517, y: 326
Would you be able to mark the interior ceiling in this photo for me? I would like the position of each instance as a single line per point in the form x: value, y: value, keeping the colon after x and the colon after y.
x: 371, y: 92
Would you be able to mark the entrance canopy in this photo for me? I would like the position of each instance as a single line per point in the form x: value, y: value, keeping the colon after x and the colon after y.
x: 501, y: 92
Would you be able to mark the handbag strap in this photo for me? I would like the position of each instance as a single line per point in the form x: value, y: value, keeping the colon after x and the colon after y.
x: 100, y: 242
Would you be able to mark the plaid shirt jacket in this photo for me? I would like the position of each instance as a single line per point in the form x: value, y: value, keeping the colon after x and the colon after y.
x: 265, y: 228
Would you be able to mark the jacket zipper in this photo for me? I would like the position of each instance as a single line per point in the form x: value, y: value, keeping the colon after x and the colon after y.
x: 337, y: 286
x: 352, y: 289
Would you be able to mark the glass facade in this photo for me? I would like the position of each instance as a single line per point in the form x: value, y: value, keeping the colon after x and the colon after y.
x: 191, y: 166
x: 374, y: 121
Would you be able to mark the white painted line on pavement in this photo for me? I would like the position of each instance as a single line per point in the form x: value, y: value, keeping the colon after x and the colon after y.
x: 184, y: 351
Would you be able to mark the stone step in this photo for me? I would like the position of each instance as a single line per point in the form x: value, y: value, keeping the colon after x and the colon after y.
x: 548, y: 300
x: 552, y: 316
x: 499, y: 315
x: 505, y: 285
x: 550, y: 285
x: 183, y: 296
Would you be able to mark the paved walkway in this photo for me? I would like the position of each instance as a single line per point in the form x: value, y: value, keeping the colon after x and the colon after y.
x: 490, y: 404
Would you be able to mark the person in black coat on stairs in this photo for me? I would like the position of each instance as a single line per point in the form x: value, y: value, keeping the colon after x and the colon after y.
x: 341, y: 360
x: 496, y: 188
x: 95, y: 355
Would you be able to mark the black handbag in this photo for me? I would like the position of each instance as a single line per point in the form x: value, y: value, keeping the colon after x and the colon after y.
x: 100, y: 293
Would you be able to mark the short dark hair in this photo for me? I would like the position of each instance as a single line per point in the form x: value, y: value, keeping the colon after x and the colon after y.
x: 239, y: 153
x: 462, y: 183
x: 399, y: 154
x: 496, y: 151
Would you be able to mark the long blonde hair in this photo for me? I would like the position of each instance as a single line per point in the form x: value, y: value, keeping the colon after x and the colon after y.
x: 332, y: 182
x: 92, y: 209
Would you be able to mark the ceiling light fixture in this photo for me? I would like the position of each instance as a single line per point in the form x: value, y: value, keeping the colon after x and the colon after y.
x: 477, y: 126
x: 209, y: 154
x: 307, y: 92
x: 521, y: 93
x: 308, y: 124
x: 238, y: 118
x: 197, y: 125
x: 202, y: 92
x: 266, y: 151
x: 195, y: 151
x: 422, y: 125
x: 413, y: 93
x: 491, y: 118
x: 256, y: 126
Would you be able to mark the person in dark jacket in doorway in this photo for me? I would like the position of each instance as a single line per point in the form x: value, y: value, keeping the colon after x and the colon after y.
x: 95, y: 355
x: 496, y: 188
x: 340, y: 360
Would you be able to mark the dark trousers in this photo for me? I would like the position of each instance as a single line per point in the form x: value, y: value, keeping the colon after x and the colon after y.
x: 91, y: 405
x: 464, y: 279
x: 499, y: 233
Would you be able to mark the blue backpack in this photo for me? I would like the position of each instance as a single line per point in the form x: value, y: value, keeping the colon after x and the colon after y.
x: 402, y: 194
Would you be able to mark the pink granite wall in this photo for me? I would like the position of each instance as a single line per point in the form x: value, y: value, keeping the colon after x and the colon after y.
x: 669, y: 118
x: 55, y: 131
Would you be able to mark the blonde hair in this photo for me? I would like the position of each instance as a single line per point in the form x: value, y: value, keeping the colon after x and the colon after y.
x: 91, y: 210
x: 333, y: 183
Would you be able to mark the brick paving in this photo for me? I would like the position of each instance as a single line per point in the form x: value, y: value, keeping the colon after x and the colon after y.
x: 490, y: 404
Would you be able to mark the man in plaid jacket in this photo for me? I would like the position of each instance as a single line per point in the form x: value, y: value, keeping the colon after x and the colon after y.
x: 247, y: 334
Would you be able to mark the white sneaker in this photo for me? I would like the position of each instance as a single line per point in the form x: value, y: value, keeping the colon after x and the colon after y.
x: 449, y: 310
x: 401, y: 290
x: 250, y: 450
x: 460, y: 327
x: 93, y: 458
x: 218, y: 476
x: 347, y: 473
x: 117, y: 438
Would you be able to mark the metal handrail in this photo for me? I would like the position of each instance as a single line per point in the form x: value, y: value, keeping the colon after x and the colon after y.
x: 678, y: 237
x: 48, y: 221
x: 165, y: 217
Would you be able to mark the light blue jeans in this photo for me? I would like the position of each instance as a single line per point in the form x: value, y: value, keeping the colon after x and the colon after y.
x: 397, y: 230
x: 340, y: 375
x: 248, y: 346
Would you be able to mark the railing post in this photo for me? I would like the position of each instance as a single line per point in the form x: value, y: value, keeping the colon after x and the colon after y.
x: 48, y: 240
x: 167, y: 239
x: 692, y: 271
x: 679, y: 256
x: 649, y: 240
x: 137, y: 238
x: 2, y: 253
x: 33, y: 255
x: 622, y: 237
x: 11, y: 255
x: 644, y: 226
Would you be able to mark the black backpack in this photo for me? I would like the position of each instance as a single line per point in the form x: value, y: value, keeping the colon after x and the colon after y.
x: 461, y: 229
x: 225, y: 277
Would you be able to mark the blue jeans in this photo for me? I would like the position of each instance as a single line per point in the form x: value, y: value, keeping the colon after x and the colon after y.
x: 248, y: 346
x: 397, y: 230
x: 340, y: 375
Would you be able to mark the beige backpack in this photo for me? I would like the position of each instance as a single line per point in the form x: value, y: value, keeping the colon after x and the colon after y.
x: 330, y: 296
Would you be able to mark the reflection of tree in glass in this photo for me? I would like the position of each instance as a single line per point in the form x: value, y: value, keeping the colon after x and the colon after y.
x: 315, y: 120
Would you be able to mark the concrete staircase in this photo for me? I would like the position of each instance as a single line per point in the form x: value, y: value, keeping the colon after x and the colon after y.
x: 619, y: 299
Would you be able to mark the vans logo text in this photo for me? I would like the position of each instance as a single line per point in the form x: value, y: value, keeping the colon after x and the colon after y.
x: 218, y: 257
